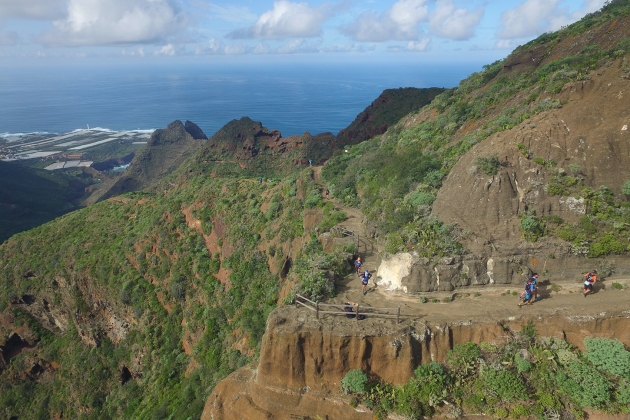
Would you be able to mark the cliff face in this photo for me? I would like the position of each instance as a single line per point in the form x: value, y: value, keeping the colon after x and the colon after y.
x: 386, y: 110
x: 165, y: 151
x: 589, y: 133
x: 303, y: 359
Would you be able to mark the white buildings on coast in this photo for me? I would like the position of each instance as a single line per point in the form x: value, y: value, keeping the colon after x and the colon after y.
x: 66, y: 151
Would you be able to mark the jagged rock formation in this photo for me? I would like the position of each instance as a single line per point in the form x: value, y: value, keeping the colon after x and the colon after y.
x: 164, y: 152
x: 385, y: 111
x: 250, y: 144
x: 194, y: 130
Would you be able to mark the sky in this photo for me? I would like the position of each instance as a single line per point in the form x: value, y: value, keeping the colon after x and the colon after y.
x: 437, y: 30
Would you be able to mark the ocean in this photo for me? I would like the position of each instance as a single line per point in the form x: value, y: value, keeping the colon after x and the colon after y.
x: 292, y: 98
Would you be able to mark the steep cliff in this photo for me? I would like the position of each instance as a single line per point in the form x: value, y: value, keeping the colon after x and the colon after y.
x: 385, y: 111
x: 303, y: 359
x: 164, y: 152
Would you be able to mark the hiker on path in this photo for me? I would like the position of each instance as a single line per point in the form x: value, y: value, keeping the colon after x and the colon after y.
x: 327, y: 192
x: 364, y: 281
x: 533, y: 286
x: 531, y: 291
x: 589, y: 279
x: 357, y: 265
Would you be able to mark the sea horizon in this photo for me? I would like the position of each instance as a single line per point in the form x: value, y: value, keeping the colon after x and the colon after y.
x: 291, y: 98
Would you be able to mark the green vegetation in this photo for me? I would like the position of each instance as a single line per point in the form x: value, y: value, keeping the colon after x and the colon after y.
x: 392, y: 178
x: 142, y: 255
x: 354, y: 382
x: 386, y: 110
x: 31, y: 197
x: 489, y: 165
x: 601, y: 231
x: 545, y: 378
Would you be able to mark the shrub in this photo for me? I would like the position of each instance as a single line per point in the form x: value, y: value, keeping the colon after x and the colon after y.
x: 585, y: 384
x: 523, y: 149
x: 533, y: 228
x: 522, y: 365
x: 434, y: 178
x: 539, y: 161
x: 418, y: 198
x: 528, y: 330
x: 464, y: 357
x: 608, y: 355
x: 519, y: 410
x: 424, y: 391
x: 623, y: 393
x: 626, y: 188
x: 554, y: 188
x: 355, y: 381
x: 505, y: 384
x: 489, y: 165
x: 606, y: 245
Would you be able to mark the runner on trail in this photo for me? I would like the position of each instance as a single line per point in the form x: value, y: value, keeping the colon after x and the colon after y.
x: 589, y: 279
x: 531, y: 291
x: 364, y: 281
x: 357, y: 265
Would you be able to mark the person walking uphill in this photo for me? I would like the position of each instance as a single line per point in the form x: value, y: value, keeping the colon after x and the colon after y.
x: 364, y: 281
x: 589, y: 279
x: 357, y: 265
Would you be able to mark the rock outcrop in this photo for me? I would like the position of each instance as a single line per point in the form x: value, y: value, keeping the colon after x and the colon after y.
x: 303, y: 359
x: 385, y: 111
x: 165, y: 151
x: 409, y: 273
x: 586, y: 137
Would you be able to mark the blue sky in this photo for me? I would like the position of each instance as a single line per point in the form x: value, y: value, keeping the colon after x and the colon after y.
x: 439, y: 30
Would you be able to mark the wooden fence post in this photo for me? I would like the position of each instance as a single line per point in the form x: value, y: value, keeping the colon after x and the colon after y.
x: 357, y: 312
x: 398, y: 316
x: 317, y: 310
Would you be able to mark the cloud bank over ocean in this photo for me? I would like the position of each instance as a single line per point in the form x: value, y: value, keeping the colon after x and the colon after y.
x: 144, y: 28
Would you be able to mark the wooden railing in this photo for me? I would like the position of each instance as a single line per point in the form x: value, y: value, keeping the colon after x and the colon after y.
x: 343, y: 232
x: 357, y: 310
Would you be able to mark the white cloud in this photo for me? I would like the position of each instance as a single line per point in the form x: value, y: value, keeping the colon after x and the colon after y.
x: 339, y: 48
x: 261, y: 49
x: 295, y: 46
x: 402, y: 22
x: 168, y: 49
x: 32, y: 9
x: 234, y: 14
x: 236, y: 49
x: 407, y: 13
x: 505, y: 44
x: 109, y: 22
x: 286, y: 20
x: 217, y: 47
x: 534, y: 17
x: 447, y: 21
x: 9, y: 39
x: 419, y: 46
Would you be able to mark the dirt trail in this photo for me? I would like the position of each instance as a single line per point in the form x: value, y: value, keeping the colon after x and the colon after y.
x: 474, y: 303
x: 349, y: 289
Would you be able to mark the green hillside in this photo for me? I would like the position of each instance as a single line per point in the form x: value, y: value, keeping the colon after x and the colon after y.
x: 30, y: 197
x: 137, y: 306
x: 395, y: 178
